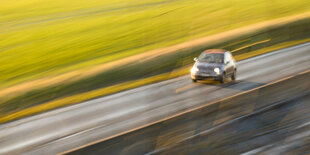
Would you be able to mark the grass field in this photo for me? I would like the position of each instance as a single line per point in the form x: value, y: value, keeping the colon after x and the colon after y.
x: 40, y: 39
x: 46, y: 37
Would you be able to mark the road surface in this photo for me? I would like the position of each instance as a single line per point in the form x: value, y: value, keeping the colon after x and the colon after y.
x: 70, y: 127
x: 280, y: 129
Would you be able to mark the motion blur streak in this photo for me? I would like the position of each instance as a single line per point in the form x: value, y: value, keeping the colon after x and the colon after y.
x: 259, y: 42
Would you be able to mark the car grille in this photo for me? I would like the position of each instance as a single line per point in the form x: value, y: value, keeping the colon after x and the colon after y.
x: 206, y: 69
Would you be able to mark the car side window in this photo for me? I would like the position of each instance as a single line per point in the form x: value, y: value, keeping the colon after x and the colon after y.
x: 227, y: 58
x: 230, y: 58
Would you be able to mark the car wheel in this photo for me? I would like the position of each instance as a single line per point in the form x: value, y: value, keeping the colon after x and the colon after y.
x: 194, y: 80
x: 222, y: 78
x: 233, y: 76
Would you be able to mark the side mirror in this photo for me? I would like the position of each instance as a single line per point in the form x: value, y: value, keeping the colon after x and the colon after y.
x: 196, y: 59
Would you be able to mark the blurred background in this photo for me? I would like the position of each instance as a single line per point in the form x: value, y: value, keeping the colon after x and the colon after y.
x: 55, y: 53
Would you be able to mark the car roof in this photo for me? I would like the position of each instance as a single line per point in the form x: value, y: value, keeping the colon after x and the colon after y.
x: 219, y: 51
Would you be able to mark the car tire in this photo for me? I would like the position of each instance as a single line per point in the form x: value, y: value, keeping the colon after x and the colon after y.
x: 194, y: 80
x: 233, y: 76
x: 222, y: 78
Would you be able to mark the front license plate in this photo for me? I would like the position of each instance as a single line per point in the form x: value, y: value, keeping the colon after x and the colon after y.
x: 205, y: 74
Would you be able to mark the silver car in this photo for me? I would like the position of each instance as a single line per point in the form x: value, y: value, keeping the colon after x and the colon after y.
x: 217, y: 64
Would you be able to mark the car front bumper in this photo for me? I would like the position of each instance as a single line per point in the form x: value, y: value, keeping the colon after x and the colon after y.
x: 199, y: 76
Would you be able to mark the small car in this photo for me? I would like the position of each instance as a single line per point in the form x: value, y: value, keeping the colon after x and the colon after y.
x: 216, y: 64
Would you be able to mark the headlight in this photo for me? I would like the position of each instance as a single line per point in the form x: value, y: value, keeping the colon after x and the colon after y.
x: 194, y: 69
x: 217, y: 70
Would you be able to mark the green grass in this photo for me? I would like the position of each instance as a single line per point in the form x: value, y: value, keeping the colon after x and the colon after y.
x: 46, y: 38
x: 40, y: 37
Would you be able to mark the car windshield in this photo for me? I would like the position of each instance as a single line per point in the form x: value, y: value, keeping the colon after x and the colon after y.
x: 211, y: 57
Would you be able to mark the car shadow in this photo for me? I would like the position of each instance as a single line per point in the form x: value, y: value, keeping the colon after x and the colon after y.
x: 237, y: 85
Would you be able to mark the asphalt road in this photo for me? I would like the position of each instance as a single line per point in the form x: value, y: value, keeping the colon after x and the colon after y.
x: 280, y: 129
x: 70, y: 127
